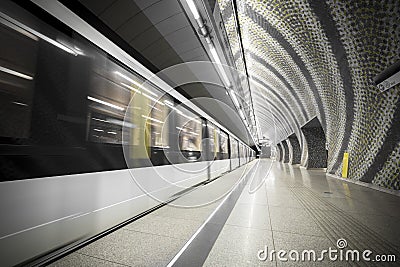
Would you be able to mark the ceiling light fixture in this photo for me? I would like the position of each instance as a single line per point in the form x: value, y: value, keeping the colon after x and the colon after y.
x: 234, y: 98
x: 193, y: 9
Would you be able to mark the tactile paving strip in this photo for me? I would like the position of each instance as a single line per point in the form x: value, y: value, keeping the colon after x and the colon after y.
x: 337, y: 224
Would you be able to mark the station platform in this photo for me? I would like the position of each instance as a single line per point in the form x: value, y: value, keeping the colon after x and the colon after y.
x: 272, y: 206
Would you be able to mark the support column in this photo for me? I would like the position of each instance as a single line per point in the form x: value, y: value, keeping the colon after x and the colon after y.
x: 296, y: 150
x: 316, y: 143
x: 286, y: 151
x: 280, y: 152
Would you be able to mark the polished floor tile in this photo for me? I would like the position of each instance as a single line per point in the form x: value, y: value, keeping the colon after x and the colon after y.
x: 248, y: 215
x: 77, y: 259
x: 134, y: 248
x: 293, y: 220
x: 165, y: 226
x: 239, y: 245
x: 293, y: 209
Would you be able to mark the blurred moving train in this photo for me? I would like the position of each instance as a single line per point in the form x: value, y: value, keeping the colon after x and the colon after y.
x: 76, y: 122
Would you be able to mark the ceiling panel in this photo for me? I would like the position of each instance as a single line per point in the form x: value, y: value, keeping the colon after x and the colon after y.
x: 145, y: 3
x: 97, y: 6
x: 130, y: 29
x: 171, y: 23
x: 119, y: 12
x: 182, y: 34
x: 145, y: 39
x: 162, y: 10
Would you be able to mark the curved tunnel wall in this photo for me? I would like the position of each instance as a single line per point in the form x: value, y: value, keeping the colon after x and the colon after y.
x: 327, y: 73
x: 296, y: 150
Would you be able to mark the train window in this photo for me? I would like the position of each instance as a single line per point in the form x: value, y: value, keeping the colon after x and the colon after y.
x: 17, y: 77
x: 234, y: 148
x: 223, y: 144
x: 160, y: 122
x: 190, y: 135
x: 112, y: 87
x: 107, y: 99
x: 189, y: 128
x: 213, y: 133
x: 105, y: 128
x: 146, y: 120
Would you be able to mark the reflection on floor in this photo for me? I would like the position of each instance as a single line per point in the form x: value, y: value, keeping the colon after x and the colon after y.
x: 291, y: 209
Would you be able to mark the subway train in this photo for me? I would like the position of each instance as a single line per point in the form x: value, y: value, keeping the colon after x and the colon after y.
x: 82, y: 131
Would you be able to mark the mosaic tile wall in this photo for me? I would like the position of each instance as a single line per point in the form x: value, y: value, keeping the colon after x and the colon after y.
x: 317, y: 58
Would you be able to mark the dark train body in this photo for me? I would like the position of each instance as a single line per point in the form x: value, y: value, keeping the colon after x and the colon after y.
x: 77, y: 124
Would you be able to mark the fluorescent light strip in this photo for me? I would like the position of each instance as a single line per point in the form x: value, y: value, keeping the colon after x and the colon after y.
x: 152, y: 98
x: 112, y: 133
x: 98, y: 130
x: 38, y: 34
x: 149, y: 91
x: 168, y: 103
x: 76, y: 50
x: 16, y: 73
x: 181, y: 129
x: 215, y: 54
x: 131, y: 88
x: 55, y: 43
x: 153, y: 107
x: 125, y: 77
x: 44, y: 37
x: 96, y: 119
x: 20, y: 104
x: 219, y: 65
x: 184, y: 115
x: 152, y: 119
x: 193, y: 9
x: 234, y: 98
x: 105, y: 103
x: 242, y: 114
x: 135, y: 83
x: 174, y: 108
x: 18, y: 29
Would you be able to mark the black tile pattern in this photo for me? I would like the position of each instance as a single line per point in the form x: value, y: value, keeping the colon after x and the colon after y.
x: 317, y: 156
x: 286, y: 151
x: 279, y: 152
x: 296, y: 150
